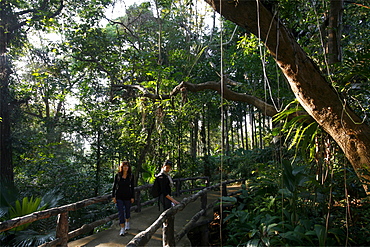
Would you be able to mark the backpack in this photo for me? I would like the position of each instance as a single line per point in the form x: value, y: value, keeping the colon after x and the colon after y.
x: 156, y: 189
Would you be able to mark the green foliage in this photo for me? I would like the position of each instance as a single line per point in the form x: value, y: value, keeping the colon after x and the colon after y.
x: 77, y: 146
x: 301, y: 131
x: 279, y: 217
x: 8, y: 195
x: 352, y: 80
x: 25, y: 207
x: 29, y: 238
x: 29, y: 234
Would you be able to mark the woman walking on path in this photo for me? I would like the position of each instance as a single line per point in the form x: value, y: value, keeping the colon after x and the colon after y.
x: 123, y: 195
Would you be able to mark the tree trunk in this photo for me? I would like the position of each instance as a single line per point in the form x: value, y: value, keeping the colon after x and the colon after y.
x: 305, y: 80
x: 241, y: 129
x: 179, y: 149
x: 260, y: 129
x: 225, y: 137
x: 208, y: 133
x: 194, y: 139
x: 144, y: 151
x: 204, y: 133
x: 334, y: 32
x: 232, y: 132
x: 6, y: 20
x: 253, y: 128
x: 246, y: 114
x: 6, y: 165
x: 98, y: 162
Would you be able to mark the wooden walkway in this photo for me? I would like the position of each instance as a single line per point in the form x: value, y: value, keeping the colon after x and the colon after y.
x: 140, y: 221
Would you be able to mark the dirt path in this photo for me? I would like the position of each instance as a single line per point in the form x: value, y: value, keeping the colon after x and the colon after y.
x: 141, y: 221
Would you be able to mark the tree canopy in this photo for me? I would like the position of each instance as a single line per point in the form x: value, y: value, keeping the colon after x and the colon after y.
x: 222, y: 88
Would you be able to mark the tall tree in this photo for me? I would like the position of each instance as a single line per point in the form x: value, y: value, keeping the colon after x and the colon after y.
x: 306, y: 80
x: 17, y: 18
x: 14, y: 15
x: 334, y: 50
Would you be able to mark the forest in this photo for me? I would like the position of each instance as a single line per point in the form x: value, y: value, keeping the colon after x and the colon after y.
x: 272, y: 91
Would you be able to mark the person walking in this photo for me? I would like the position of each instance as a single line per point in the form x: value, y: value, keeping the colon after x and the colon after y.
x: 166, y: 185
x: 123, y: 195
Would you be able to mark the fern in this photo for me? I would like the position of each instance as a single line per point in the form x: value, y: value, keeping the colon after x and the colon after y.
x: 300, y: 133
x: 27, y: 206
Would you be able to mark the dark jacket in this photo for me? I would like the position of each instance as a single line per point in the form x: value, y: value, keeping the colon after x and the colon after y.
x: 164, y: 184
x: 123, y: 189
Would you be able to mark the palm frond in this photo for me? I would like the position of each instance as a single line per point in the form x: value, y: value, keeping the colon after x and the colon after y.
x: 29, y: 238
x: 299, y: 131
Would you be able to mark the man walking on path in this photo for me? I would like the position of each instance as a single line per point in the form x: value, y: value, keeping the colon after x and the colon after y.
x: 166, y: 185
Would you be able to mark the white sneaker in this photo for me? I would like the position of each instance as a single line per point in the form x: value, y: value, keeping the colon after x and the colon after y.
x: 122, y: 231
x: 127, y: 226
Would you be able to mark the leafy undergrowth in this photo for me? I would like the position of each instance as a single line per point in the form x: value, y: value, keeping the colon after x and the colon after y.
x: 273, y: 222
x: 289, y: 207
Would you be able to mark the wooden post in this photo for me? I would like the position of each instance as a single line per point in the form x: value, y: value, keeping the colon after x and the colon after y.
x: 138, y: 201
x: 203, y: 203
x: 178, y: 187
x: 62, y: 229
x: 224, y: 189
x: 204, y: 241
x: 168, y: 232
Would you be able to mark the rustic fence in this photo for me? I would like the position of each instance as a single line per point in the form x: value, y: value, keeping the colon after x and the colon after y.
x: 62, y: 234
x: 179, y: 185
x: 166, y: 219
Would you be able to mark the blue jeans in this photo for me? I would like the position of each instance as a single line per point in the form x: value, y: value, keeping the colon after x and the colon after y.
x: 124, y: 208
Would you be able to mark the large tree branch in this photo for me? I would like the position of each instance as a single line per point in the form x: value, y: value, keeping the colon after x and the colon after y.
x: 228, y: 94
x: 145, y: 92
x: 128, y: 32
x: 37, y: 14
x: 310, y: 87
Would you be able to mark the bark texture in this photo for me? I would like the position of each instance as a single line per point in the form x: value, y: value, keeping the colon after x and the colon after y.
x: 334, y: 32
x: 6, y: 165
x: 310, y: 87
x: 7, y: 21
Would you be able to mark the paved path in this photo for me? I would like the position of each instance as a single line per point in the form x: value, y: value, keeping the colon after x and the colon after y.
x: 141, y: 221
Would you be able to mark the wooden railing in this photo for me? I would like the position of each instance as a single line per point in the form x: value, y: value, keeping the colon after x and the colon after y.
x: 168, y: 236
x: 179, y: 183
x: 62, y: 234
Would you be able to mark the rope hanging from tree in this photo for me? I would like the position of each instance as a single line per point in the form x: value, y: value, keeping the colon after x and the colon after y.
x: 222, y: 118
